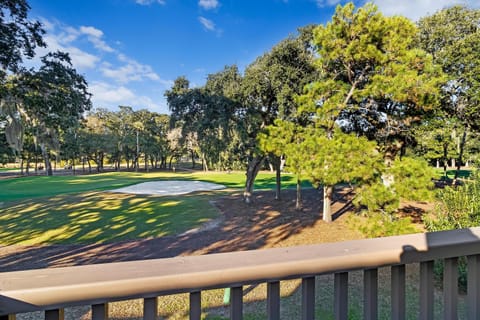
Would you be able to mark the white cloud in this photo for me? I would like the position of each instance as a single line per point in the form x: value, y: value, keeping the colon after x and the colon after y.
x: 208, y: 4
x: 327, y: 3
x: 95, y: 35
x: 107, y: 69
x: 145, y: 102
x: 149, y: 2
x: 130, y: 71
x: 47, y: 25
x: 91, y: 31
x: 415, y: 9
x: 60, y: 37
x: 110, y: 96
x: 207, y: 24
x: 80, y: 59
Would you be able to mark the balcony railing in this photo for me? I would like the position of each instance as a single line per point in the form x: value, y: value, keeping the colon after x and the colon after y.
x: 52, y: 290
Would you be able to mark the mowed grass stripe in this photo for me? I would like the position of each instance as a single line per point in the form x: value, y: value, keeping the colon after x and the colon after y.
x: 43, y: 186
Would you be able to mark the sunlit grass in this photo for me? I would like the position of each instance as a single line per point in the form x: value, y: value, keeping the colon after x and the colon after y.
x: 43, y: 186
x: 97, y: 217
x: 463, y: 174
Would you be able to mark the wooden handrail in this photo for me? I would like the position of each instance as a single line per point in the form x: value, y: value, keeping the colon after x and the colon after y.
x: 44, y: 289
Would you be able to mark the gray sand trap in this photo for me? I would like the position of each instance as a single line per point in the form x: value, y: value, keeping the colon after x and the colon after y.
x: 170, y: 187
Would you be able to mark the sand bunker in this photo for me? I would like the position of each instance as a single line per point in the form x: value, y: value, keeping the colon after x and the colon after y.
x: 170, y: 187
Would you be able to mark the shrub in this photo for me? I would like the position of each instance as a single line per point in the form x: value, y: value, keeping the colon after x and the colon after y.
x: 381, y: 225
x: 457, y: 207
x: 411, y: 179
x: 376, y: 198
x: 378, y: 217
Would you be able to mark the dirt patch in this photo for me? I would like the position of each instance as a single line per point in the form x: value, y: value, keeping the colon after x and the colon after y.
x: 265, y: 223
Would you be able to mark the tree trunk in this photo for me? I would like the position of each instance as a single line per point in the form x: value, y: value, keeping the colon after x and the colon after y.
x: 445, y: 160
x: 146, y: 162
x: 327, y: 203
x: 27, y: 168
x: 46, y: 159
x: 204, y: 163
x: 282, y: 163
x: 278, y: 178
x: 163, y: 164
x: 460, y: 154
x: 387, y: 178
x: 101, y: 160
x: 298, y: 202
x: 192, y: 153
x: 21, y: 165
x: 253, y: 168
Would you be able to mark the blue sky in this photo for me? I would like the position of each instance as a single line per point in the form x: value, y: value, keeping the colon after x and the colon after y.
x: 130, y: 51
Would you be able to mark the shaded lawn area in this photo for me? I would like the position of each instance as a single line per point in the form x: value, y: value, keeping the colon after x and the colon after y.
x: 98, y: 217
x: 44, y: 186
x: 462, y: 174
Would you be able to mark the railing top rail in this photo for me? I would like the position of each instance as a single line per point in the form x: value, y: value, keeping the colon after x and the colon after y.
x: 23, y: 291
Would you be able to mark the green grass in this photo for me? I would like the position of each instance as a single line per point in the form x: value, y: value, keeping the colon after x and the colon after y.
x: 463, y: 173
x: 76, y: 209
x: 8, y: 169
x: 100, y: 217
x: 43, y: 186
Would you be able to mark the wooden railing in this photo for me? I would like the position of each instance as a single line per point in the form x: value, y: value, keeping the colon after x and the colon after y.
x: 97, y: 285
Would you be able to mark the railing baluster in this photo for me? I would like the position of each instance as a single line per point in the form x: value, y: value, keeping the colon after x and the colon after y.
x: 150, y: 308
x: 308, y: 298
x: 370, y: 294
x: 426, y: 290
x: 57, y: 314
x: 473, y: 287
x: 450, y: 288
x: 341, y: 296
x: 398, y: 292
x: 236, y: 303
x: 273, y: 300
x: 195, y: 305
x: 100, y: 311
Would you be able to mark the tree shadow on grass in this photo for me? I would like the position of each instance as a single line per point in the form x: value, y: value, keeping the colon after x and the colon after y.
x: 156, y: 225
